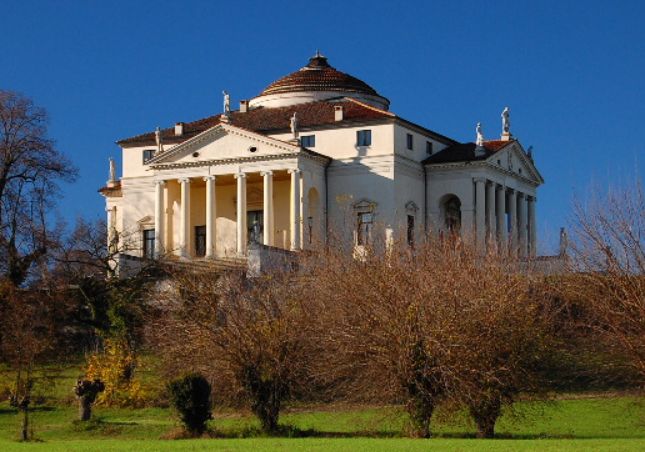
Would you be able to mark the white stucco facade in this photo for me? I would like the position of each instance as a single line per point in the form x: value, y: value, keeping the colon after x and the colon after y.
x: 346, y: 167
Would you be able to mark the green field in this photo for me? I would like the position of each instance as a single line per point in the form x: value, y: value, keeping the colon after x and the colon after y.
x: 589, y: 423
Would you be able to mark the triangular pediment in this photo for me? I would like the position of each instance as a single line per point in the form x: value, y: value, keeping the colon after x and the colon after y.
x: 224, y: 142
x: 513, y: 158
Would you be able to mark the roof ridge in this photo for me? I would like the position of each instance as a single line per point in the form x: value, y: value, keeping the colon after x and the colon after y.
x: 371, y: 107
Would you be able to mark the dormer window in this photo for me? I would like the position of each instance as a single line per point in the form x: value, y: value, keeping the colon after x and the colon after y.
x: 148, y: 154
x: 308, y: 141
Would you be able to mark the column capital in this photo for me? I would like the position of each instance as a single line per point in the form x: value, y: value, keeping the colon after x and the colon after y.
x: 266, y: 173
x: 239, y: 175
x: 500, y: 187
x: 480, y: 179
x: 160, y: 182
x: 184, y: 180
x: 522, y: 194
x: 210, y: 177
x: 294, y: 171
x: 532, y: 199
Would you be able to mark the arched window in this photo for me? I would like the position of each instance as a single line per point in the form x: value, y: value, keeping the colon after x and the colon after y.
x: 451, y: 207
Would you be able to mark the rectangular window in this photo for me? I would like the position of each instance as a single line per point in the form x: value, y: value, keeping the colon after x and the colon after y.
x: 429, y: 148
x: 410, y: 142
x: 148, y: 154
x: 149, y: 243
x: 200, y: 241
x: 364, y: 138
x: 364, y: 231
x: 308, y: 141
x: 411, y: 231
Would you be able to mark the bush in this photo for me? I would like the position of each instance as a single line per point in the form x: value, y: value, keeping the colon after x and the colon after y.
x: 115, y: 367
x: 86, y: 391
x: 191, y: 397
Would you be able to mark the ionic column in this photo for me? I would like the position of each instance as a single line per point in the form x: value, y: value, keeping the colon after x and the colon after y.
x: 268, y: 208
x: 110, y: 228
x: 184, y: 218
x: 532, y: 227
x: 241, y: 214
x: 523, y: 223
x: 490, y: 208
x: 295, y: 209
x: 512, y: 213
x: 211, y: 216
x: 500, y: 207
x: 160, y: 208
x: 480, y: 211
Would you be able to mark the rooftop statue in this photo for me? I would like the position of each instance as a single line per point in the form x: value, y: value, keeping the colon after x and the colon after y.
x: 158, y: 140
x: 112, y: 170
x: 506, y: 121
x: 480, y: 135
x: 294, y: 125
x: 227, y: 103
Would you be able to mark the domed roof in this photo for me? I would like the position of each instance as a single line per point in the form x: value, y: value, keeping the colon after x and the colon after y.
x: 318, y: 75
x: 322, y: 81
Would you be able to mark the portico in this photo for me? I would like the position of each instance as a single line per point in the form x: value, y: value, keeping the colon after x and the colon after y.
x: 504, y: 216
x: 218, y: 215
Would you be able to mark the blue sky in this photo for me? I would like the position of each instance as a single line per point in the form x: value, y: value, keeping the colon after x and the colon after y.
x: 572, y: 72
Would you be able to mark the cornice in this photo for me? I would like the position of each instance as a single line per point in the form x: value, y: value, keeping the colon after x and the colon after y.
x: 437, y: 167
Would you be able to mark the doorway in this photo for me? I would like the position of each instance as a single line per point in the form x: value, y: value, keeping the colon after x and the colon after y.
x: 255, y: 225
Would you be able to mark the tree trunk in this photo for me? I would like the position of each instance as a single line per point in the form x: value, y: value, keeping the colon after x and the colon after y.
x: 486, y: 428
x: 84, y: 408
x: 420, y: 410
x: 485, y: 414
x: 270, y: 417
x: 24, y: 434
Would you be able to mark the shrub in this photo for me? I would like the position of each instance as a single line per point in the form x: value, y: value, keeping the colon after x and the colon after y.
x: 86, y: 391
x: 191, y: 397
x: 115, y: 368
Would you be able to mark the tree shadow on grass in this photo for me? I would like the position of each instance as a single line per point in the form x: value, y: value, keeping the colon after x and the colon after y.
x: 98, y: 425
x: 289, y: 431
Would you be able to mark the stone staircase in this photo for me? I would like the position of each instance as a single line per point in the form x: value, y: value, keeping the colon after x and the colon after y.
x: 216, y: 265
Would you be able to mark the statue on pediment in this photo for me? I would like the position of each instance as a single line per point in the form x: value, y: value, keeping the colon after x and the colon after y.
x: 227, y: 103
x: 506, y: 121
x: 158, y: 140
x: 480, y: 135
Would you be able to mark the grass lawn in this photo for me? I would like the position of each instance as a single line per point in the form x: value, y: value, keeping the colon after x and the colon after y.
x: 593, y: 423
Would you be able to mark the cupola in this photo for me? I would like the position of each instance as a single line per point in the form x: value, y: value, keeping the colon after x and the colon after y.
x: 317, y: 81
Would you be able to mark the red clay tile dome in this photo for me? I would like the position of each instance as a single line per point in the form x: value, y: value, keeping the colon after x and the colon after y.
x: 317, y: 81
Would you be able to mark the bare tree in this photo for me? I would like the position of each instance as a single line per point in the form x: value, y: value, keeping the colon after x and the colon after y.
x: 30, y: 169
x: 438, y: 323
x: 607, y: 279
x: 249, y: 337
x: 27, y: 325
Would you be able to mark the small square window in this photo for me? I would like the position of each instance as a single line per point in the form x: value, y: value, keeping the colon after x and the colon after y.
x: 308, y: 141
x: 364, y: 138
x: 148, y: 154
x: 429, y: 147
x: 410, y: 142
